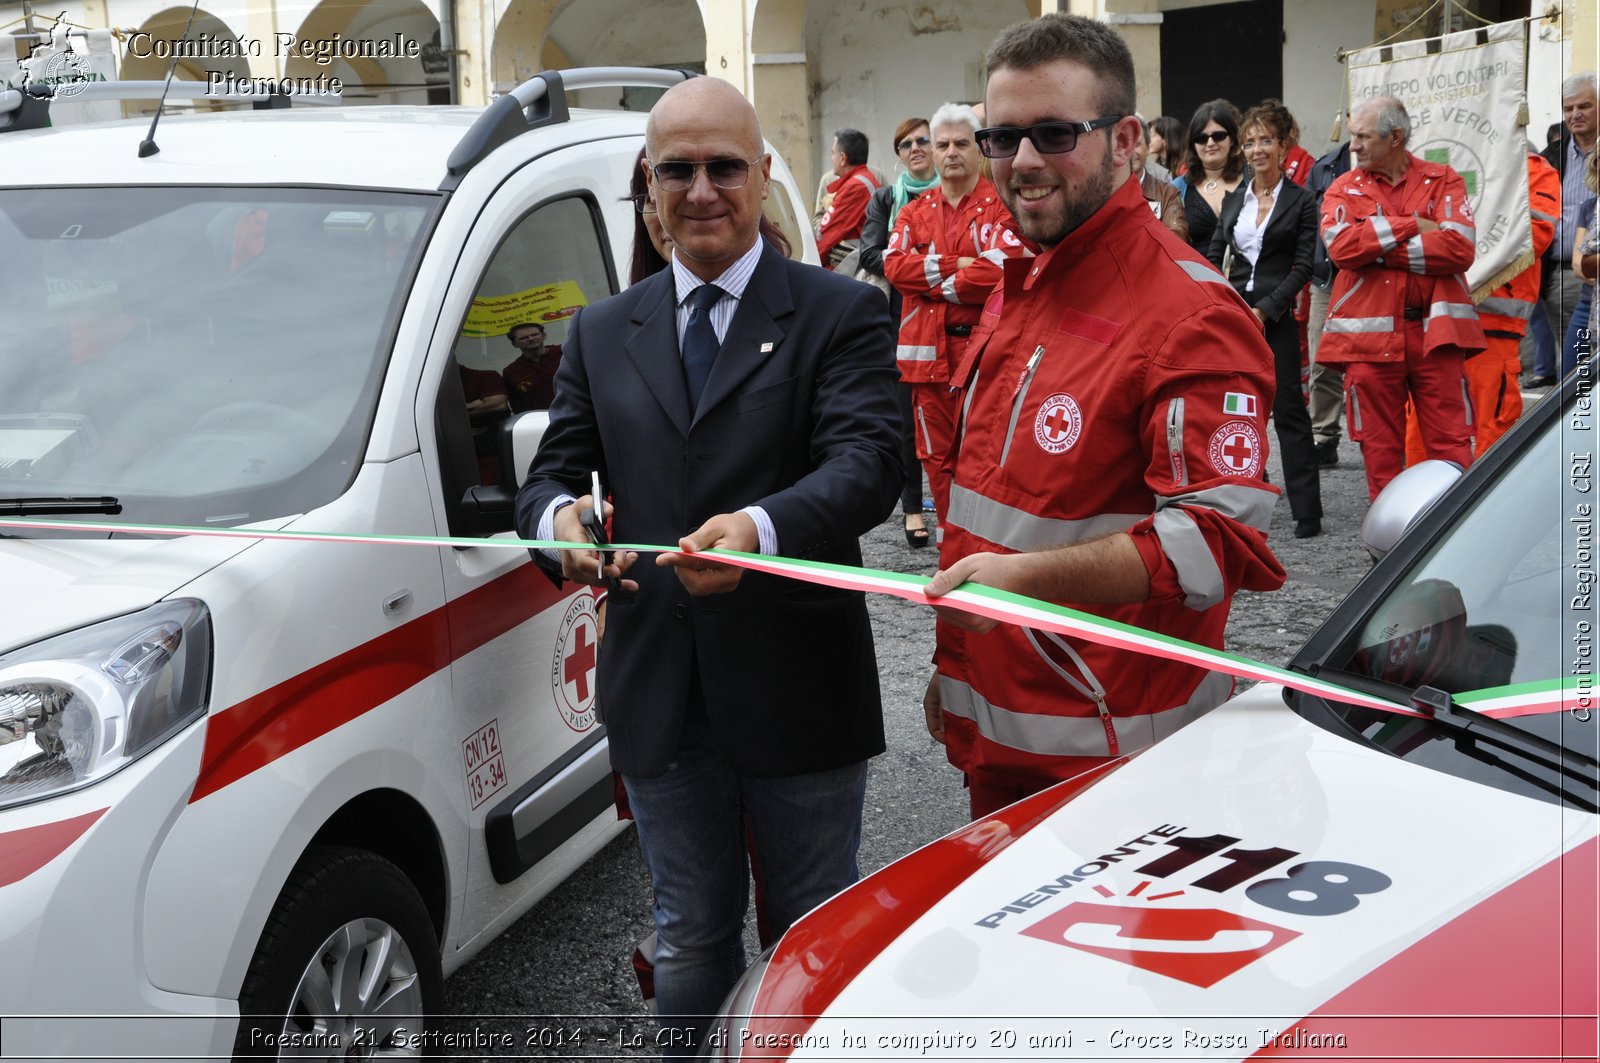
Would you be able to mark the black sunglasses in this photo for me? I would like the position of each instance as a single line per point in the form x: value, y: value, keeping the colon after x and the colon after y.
x: 908, y: 142
x: 724, y: 173
x: 1050, y: 138
x: 1216, y: 136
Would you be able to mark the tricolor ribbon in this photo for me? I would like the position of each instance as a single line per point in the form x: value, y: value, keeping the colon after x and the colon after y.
x: 1523, y: 699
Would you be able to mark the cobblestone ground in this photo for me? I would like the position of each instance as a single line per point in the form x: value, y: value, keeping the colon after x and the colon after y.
x: 565, y: 966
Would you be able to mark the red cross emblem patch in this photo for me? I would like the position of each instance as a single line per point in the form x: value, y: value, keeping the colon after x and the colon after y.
x: 1236, y: 449
x: 572, y: 677
x: 1058, y: 425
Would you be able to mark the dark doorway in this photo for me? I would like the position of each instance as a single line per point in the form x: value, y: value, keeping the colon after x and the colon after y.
x: 1230, y: 50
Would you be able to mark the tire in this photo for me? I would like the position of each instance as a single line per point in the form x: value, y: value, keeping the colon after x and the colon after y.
x: 347, y: 967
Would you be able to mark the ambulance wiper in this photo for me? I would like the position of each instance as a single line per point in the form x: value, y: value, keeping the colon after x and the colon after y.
x: 58, y: 505
x: 1442, y: 709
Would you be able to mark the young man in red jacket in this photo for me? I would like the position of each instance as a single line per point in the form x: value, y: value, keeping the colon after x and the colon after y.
x: 1114, y: 397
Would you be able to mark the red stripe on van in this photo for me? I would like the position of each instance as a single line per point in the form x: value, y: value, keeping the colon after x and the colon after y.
x: 260, y: 729
x: 22, y: 852
x: 1513, y: 977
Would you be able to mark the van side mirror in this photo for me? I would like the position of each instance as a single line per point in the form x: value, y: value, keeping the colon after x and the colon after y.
x: 489, y: 508
x: 1399, y: 505
x: 520, y: 435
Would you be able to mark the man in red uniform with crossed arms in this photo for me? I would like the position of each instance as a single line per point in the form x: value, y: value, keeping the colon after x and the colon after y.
x: 944, y: 255
x: 1400, y: 316
x: 1112, y: 443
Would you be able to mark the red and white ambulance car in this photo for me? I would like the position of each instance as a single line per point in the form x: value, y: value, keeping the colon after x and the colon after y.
x: 260, y: 794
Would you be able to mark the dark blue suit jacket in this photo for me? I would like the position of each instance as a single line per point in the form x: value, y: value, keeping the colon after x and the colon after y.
x: 799, y: 416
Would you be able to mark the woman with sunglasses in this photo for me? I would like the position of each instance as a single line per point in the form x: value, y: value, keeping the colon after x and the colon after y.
x: 1266, y: 235
x: 914, y: 148
x: 1213, y: 168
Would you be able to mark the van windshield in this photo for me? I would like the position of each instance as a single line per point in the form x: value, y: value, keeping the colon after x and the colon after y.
x: 204, y: 355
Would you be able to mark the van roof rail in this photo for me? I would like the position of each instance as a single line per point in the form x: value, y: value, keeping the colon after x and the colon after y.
x: 29, y: 106
x: 542, y: 101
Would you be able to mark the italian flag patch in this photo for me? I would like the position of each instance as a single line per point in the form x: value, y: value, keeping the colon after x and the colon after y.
x: 1236, y: 402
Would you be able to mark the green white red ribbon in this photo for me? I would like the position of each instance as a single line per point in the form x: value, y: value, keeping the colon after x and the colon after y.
x: 1523, y: 699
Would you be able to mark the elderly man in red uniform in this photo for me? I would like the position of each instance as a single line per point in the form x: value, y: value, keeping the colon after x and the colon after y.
x: 1114, y: 399
x: 944, y: 256
x: 840, y: 226
x: 1400, y: 316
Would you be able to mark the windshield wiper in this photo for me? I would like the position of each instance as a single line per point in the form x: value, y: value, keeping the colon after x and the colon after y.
x: 58, y: 505
x: 1439, y: 706
x: 1469, y: 730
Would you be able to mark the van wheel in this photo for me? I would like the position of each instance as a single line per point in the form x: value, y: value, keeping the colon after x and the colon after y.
x: 347, y: 968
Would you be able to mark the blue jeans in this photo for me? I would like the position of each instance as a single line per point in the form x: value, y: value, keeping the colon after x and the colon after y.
x: 1544, y: 343
x: 805, y: 829
x: 1580, y: 339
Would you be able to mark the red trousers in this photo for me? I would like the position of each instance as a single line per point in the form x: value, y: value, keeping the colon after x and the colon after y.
x: 934, y: 409
x: 1496, y: 397
x: 1375, y: 404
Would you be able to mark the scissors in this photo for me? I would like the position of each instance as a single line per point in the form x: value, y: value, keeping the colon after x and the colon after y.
x: 594, y: 524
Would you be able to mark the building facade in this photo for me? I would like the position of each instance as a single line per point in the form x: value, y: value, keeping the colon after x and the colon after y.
x: 809, y: 66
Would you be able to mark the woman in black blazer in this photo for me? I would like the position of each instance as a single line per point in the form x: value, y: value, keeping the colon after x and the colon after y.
x: 1263, y: 244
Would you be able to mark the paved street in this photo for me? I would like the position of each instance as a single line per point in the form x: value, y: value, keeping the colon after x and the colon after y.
x: 569, y: 957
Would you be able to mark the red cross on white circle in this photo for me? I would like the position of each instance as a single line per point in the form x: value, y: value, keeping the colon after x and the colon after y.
x: 1235, y: 449
x: 1238, y: 452
x: 1058, y: 424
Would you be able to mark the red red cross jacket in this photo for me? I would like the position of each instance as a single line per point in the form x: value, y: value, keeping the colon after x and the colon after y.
x: 939, y: 294
x: 1509, y: 307
x: 1115, y: 384
x: 847, y: 211
x: 1378, y: 250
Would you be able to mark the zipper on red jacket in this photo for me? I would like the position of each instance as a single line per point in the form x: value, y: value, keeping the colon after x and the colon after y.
x: 927, y: 439
x: 1345, y: 298
x: 1018, y: 397
x: 1090, y: 687
x: 1180, y: 473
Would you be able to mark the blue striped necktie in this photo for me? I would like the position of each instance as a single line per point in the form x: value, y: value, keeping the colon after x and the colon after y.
x: 700, y: 341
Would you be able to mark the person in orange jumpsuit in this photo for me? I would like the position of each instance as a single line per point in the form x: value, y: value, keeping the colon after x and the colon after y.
x: 1504, y: 314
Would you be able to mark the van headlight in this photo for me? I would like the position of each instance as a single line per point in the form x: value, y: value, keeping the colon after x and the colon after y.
x: 79, y: 707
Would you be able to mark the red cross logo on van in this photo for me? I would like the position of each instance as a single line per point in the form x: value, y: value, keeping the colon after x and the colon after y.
x: 572, y: 678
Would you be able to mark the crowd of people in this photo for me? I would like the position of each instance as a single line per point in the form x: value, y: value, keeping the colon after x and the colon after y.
x: 1076, y: 324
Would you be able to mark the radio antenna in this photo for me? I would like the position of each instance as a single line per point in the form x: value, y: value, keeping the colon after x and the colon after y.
x: 147, y: 146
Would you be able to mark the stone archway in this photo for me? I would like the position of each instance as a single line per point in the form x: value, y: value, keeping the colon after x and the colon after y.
x: 211, y: 45
x: 384, y: 51
x: 536, y: 35
x: 937, y: 48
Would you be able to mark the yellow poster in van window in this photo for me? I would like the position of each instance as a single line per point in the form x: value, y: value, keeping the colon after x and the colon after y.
x: 492, y: 315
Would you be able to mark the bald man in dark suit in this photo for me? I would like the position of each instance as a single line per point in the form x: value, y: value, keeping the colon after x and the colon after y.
x: 757, y: 415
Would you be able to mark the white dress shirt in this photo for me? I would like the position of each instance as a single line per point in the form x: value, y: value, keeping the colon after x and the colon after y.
x: 1247, y: 231
x: 734, y: 280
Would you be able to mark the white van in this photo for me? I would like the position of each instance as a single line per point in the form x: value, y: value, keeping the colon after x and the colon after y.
x: 294, y: 780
